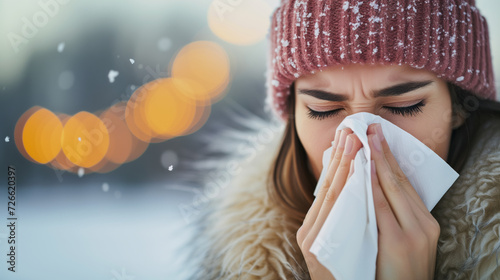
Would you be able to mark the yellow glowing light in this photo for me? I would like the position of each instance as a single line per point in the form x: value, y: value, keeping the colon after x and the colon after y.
x: 61, y: 161
x: 41, y: 136
x: 206, y: 64
x: 240, y: 22
x: 134, y: 116
x: 18, y: 131
x: 168, y: 113
x: 120, y: 137
x: 85, y: 139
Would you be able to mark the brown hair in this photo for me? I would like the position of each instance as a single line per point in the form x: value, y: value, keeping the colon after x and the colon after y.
x: 292, y: 183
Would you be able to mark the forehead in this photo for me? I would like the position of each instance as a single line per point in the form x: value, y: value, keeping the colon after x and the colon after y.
x: 367, y: 74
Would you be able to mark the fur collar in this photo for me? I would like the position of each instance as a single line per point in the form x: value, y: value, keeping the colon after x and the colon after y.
x: 469, y: 214
x: 243, y: 235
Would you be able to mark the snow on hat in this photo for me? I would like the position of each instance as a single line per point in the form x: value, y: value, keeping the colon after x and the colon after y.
x: 447, y: 37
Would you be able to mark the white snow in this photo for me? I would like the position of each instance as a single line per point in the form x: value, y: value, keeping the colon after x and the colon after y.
x: 7, y: 139
x: 81, y: 172
x: 105, y: 187
x: 375, y: 50
x: 345, y: 6
x: 285, y: 43
x: 275, y: 83
x: 452, y: 39
x: 168, y: 159
x: 374, y: 5
x: 170, y: 168
x: 112, y: 75
x: 316, y: 30
x: 79, y: 139
x: 60, y: 47
x: 461, y: 78
x: 132, y: 61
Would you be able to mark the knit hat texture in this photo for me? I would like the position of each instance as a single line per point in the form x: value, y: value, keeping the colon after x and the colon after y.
x: 447, y: 37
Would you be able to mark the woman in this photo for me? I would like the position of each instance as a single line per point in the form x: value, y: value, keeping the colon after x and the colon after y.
x: 423, y: 65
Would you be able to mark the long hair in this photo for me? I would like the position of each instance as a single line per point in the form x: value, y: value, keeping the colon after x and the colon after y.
x: 292, y: 183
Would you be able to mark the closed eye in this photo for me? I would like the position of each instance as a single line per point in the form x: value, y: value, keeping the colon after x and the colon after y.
x: 409, y: 111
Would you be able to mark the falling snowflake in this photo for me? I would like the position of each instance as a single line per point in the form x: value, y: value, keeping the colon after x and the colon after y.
x: 81, y: 172
x: 461, y: 78
x: 105, y: 187
x: 345, y: 6
x: 168, y: 159
x: 79, y: 139
x: 112, y: 75
x: 60, y: 47
x: 170, y: 168
x: 7, y: 139
x: 132, y: 61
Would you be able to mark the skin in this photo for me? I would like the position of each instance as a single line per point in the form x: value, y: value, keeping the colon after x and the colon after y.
x: 408, y: 233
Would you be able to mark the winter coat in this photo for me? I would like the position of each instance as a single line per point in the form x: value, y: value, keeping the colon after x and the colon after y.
x: 242, y: 234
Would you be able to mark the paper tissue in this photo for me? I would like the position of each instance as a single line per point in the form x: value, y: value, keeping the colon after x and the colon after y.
x: 347, y: 243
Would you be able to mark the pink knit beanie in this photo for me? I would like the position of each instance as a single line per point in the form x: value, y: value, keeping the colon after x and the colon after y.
x: 447, y: 37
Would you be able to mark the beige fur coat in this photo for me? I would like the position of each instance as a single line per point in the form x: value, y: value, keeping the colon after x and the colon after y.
x: 242, y: 235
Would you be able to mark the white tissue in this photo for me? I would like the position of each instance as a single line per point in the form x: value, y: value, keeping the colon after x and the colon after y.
x: 347, y: 243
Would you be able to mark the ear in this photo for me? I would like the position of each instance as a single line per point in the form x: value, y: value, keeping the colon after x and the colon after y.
x: 458, y: 118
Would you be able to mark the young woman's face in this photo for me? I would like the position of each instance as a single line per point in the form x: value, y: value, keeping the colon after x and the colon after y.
x: 415, y: 100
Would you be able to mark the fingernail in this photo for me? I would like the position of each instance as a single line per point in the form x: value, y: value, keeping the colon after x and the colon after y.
x: 376, y: 142
x: 348, y: 145
x: 379, y: 132
x: 341, y: 142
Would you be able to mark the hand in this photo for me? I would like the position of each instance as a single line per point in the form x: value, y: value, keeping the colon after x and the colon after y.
x: 345, y: 147
x: 407, y: 232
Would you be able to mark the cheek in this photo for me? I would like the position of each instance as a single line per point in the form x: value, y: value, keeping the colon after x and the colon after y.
x: 433, y: 129
x: 316, y: 137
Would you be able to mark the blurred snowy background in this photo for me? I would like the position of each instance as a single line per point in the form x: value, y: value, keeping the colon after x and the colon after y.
x: 69, y: 56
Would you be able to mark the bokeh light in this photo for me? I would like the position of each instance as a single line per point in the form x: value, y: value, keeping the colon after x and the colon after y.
x: 41, y: 136
x: 157, y: 111
x: 61, y: 161
x: 85, y: 139
x: 167, y: 112
x: 240, y: 22
x: 205, y: 63
x: 18, y: 131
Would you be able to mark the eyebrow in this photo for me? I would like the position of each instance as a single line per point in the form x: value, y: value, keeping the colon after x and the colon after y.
x: 390, y: 91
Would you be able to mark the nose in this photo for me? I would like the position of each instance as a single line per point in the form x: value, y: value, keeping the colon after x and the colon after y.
x: 363, y: 106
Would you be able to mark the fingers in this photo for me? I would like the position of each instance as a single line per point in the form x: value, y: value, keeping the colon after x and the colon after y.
x: 383, y: 211
x: 351, y: 148
x: 390, y: 185
x: 376, y: 129
x: 346, y: 148
x: 338, y: 147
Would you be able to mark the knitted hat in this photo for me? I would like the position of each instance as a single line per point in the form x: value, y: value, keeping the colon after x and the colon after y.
x: 447, y: 37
